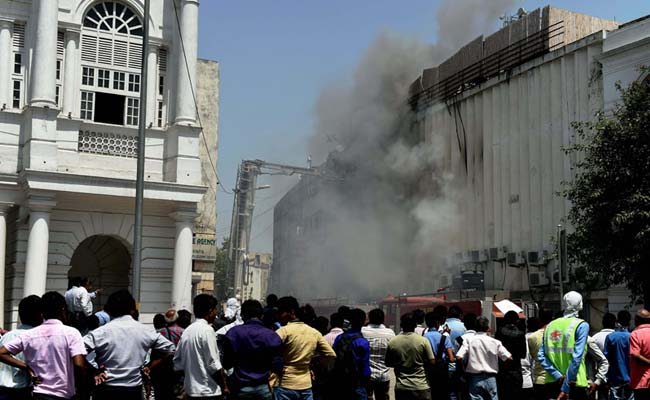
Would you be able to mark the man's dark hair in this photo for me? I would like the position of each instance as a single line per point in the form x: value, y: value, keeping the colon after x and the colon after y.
x: 184, y: 318
x: 609, y: 321
x: 251, y: 309
x: 84, y: 281
x: 376, y: 316
x: 92, y: 322
x: 546, y: 316
x: 432, y: 320
x: 203, y: 303
x: 271, y: 300
x: 511, y: 317
x: 533, y: 324
x: 30, y: 310
x: 288, y: 304
x: 53, y: 305
x: 357, y: 318
x: 454, y: 312
x: 345, y: 312
x: 407, y: 322
x: 307, y: 314
x: 418, y: 315
x: 320, y: 324
x: 120, y: 303
x: 159, y: 321
x: 336, y: 320
x: 73, y: 282
x: 482, y: 324
x: 624, y: 318
x: 441, y: 310
x: 470, y: 321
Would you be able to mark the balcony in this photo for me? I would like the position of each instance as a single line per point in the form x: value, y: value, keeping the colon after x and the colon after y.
x: 118, y: 142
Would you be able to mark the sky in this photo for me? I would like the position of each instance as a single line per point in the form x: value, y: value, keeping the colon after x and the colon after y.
x: 276, y: 57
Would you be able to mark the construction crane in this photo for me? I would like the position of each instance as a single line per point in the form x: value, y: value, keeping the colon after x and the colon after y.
x: 242, y: 216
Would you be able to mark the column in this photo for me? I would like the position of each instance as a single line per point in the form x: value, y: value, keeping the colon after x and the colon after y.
x: 37, y: 246
x: 186, y: 83
x: 182, y: 274
x: 70, y: 68
x: 3, y: 250
x: 43, y: 71
x: 5, y: 62
x: 152, y: 85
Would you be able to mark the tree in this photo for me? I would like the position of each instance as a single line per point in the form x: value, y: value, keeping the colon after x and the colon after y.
x: 610, y: 194
x: 221, y: 266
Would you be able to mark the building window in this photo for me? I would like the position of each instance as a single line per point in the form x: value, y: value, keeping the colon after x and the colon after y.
x: 88, y: 76
x: 134, y: 83
x: 58, y: 70
x: 132, y: 110
x: 18, y: 63
x: 56, y: 95
x: 118, y: 80
x: 87, y: 103
x: 103, y: 78
x: 160, y: 114
x: 161, y: 85
x: 16, y: 94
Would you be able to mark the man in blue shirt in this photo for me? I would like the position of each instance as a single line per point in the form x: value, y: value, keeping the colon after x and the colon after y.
x: 438, y: 376
x: 352, y: 366
x: 456, y: 329
x: 617, y: 351
x: 252, y: 350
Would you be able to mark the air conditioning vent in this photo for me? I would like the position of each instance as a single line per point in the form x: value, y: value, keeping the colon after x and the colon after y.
x: 515, y: 259
x: 533, y: 257
x: 498, y: 253
x: 537, y: 279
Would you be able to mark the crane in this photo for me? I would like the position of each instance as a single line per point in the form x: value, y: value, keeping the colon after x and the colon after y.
x: 242, y: 216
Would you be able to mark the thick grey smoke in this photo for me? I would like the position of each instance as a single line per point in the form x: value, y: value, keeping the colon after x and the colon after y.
x: 393, y: 211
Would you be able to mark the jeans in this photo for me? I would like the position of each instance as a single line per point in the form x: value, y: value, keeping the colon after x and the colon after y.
x: 280, y: 393
x: 482, y: 387
x: 379, y: 390
x: 622, y: 392
x: 412, y: 394
x: 261, y: 392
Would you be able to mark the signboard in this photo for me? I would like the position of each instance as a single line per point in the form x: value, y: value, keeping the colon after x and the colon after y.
x: 204, y: 247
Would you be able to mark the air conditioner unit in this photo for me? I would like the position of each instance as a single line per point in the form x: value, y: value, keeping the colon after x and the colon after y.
x: 498, y: 253
x: 477, y: 256
x: 538, y: 278
x: 556, y: 278
x: 533, y: 258
x: 516, y: 260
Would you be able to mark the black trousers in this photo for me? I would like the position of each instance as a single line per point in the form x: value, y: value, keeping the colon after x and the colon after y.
x: 379, y: 390
x: 15, y: 394
x: 641, y: 394
x: 577, y: 393
x: 105, y: 392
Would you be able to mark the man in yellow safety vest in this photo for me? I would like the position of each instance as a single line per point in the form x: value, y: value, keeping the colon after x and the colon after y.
x: 563, y: 350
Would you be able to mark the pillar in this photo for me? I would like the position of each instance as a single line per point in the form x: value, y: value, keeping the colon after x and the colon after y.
x: 3, y: 253
x: 6, y: 62
x: 70, y: 68
x: 186, y: 83
x: 182, y: 274
x: 37, y: 246
x: 43, y: 70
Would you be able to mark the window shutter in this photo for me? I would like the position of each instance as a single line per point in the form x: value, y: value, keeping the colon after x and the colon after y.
x: 162, y: 60
x: 105, y: 53
x: 60, y: 44
x: 89, y: 48
x: 135, y: 55
x: 19, y: 36
x: 121, y: 49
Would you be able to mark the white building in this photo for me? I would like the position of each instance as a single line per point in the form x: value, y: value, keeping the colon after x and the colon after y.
x: 69, y: 111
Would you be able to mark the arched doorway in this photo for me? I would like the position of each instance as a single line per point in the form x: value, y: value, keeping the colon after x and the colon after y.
x: 106, y: 261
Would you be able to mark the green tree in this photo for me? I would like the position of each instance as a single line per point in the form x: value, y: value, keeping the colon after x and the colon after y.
x: 610, y: 194
x: 221, y: 266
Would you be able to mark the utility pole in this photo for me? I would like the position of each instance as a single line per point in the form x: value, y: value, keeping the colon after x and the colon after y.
x: 139, y: 183
x: 561, y: 260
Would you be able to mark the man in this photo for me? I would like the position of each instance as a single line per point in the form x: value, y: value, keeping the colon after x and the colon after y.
x: 270, y: 317
x: 172, y: 331
x: 562, y: 352
x: 82, y: 305
x: 609, y: 325
x: 252, y: 350
x: 640, y: 356
x: 456, y: 330
x: 443, y: 350
x: 408, y: 353
x: 617, y: 351
x: 300, y: 344
x: 419, y: 320
x: 336, y: 324
x: 378, y: 338
x: 54, y: 353
x: 597, y: 367
x: 482, y: 355
x: 121, y: 347
x: 352, y: 365
x: 534, y: 343
x: 470, y: 325
x: 16, y: 384
x: 70, y: 293
x: 198, y: 356
x: 510, y: 379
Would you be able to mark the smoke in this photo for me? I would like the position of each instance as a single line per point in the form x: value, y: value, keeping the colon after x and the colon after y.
x: 380, y: 227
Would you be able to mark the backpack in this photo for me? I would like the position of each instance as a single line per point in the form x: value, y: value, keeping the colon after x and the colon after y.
x: 345, y: 366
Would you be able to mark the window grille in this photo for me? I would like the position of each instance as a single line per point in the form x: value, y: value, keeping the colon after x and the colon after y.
x: 110, y: 144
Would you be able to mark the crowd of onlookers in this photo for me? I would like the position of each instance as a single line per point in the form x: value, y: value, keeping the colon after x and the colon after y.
x: 284, y: 351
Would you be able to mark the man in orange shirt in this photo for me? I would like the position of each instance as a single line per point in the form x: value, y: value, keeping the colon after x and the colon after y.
x: 640, y: 356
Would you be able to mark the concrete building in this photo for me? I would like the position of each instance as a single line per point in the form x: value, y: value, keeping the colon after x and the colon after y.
x: 256, y: 284
x: 69, y: 98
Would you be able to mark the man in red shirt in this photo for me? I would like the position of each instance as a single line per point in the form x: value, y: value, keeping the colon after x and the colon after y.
x: 640, y: 356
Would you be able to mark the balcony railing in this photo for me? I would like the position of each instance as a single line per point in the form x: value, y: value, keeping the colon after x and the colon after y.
x: 95, y: 141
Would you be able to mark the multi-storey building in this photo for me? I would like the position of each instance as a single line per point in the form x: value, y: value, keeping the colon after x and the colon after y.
x: 70, y: 77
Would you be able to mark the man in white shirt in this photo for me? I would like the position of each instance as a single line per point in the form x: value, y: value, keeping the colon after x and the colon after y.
x: 70, y: 293
x: 609, y: 326
x: 378, y: 337
x: 482, y: 354
x: 121, y: 346
x: 336, y: 324
x: 198, y: 356
x: 82, y: 297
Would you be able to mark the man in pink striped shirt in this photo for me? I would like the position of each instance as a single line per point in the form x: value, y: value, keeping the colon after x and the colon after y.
x: 53, y: 352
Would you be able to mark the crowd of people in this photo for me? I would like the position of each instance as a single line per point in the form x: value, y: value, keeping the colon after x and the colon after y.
x: 284, y: 351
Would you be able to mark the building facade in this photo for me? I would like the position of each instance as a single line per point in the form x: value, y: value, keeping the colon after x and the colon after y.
x: 69, y: 97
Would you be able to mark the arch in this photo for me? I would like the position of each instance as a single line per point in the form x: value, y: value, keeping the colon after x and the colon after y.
x: 113, y: 17
x: 106, y: 260
x: 84, y: 5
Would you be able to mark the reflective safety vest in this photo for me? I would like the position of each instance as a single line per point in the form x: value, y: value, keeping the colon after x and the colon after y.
x: 559, y: 341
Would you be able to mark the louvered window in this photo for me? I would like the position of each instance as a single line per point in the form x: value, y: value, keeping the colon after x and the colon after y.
x: 19, y: 36
x: 18, y: 70
x: 162, y: 79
